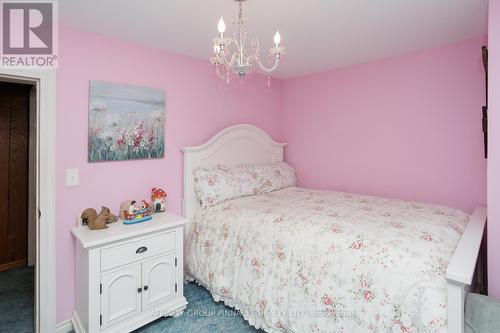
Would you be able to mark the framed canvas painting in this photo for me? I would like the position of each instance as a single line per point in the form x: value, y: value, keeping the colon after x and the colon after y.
x: 125, y: 122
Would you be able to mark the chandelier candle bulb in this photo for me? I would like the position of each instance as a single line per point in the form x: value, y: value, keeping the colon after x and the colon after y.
x: 221, y: 27
x: 277, y: 38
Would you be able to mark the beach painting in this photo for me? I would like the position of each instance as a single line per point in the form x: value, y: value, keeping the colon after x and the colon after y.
x: 125, y: 122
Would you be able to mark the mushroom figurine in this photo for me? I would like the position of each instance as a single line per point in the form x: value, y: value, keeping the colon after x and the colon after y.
x: 158, y: 197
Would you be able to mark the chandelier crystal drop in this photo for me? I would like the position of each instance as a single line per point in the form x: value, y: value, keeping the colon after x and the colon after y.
x: 231, y: 55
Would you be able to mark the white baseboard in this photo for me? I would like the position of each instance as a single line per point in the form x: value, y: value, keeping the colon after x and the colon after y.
x: 64, y: 326
x: 77, y: 323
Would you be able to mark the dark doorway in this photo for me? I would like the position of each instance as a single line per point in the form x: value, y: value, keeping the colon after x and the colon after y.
x: 14, y: 172
x: 17, y: 248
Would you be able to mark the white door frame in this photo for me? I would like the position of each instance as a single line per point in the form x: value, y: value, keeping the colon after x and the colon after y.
x: 45, y: 281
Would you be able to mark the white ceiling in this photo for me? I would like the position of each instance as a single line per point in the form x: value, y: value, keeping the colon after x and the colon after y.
x: 318, y: 34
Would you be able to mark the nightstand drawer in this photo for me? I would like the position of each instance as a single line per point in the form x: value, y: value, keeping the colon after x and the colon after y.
x: 131, y: 251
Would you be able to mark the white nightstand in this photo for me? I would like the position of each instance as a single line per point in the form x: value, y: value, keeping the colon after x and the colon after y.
x: 128, y: 275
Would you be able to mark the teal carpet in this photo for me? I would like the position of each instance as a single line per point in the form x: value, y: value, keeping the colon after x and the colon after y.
x: 17, y: 289
x: 202, y: 315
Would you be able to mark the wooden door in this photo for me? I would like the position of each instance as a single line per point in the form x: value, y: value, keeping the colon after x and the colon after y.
x: 14, y: 143
x: 158, y: 279
x: 121, y: 295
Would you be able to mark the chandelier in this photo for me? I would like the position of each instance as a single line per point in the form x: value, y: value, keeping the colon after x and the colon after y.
x: 231, y: 55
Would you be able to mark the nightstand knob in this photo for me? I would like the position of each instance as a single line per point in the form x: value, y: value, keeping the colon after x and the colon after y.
x: 139, y: 290
x: 146, y: 287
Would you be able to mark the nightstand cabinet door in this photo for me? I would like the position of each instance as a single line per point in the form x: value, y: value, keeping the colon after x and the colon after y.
x: 121, y: 294
x: 158, y: 279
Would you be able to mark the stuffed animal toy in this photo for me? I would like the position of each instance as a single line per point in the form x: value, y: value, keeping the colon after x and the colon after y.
x: 88, y: 215
x: 101, y: 221
x: 112, y: 218
x: 158, y: 197
x: 97, y: 221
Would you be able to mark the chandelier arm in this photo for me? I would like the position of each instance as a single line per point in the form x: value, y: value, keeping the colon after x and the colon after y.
x: 243, y: 41
x: 236, y: 40
x: 252, y: 58
x: 257, y: 47
x: 269, y: 70
x: 241, y: 49
x: 233, y: 60
x: 222, y: 76
x: 222, y: 57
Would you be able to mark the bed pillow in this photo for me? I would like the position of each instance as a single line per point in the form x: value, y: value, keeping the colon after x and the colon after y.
x: 220, y: 183
x: 273, y: 177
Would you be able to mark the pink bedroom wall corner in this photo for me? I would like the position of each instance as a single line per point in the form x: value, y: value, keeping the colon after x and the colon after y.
x: 197, y: 105
x: 494, y: 149
x: 407, y: 127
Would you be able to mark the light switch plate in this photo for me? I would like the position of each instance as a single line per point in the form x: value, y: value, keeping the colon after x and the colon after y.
x: 72, y: 177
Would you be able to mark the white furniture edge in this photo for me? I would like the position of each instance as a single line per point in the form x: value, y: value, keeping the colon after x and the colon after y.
x: 460, y: 271
x: 77, y: 323
x: 234, y: 145
x: 88, y: 238
x: 45, y: 268
x: 64, y: 326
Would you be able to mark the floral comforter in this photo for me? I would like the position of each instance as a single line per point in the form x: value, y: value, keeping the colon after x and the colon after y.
x: 299, y: 260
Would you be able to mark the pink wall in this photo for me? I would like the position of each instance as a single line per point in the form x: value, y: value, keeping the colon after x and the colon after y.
x: 198, y: 104
x: 408, y: 127
x: 494, y: 149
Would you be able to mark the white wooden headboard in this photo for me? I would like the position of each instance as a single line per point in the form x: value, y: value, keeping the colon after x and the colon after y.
x: 239, y: 144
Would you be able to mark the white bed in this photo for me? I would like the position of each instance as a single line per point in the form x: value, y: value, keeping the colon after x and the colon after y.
x: 245, y: 144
